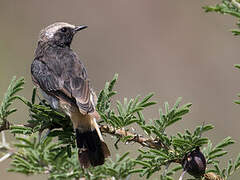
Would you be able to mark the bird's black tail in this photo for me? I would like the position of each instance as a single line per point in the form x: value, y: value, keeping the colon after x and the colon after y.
x: 91, y: 150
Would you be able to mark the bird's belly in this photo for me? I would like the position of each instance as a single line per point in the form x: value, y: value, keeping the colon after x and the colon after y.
x: 81, y: 122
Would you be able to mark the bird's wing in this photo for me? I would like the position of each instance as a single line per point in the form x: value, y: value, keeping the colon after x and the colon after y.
x: 64, y: 78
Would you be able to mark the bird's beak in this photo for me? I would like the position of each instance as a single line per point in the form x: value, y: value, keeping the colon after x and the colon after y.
x: 79, y: 28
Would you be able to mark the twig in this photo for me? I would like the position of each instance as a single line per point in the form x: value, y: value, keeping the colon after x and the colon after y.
x: 6, y: 156
x: 3, y: 139
x: 8, y: 125
x: 154, y: 144
x: 212, y: 176
x: 181, y: 177
x: 4, y: 126
x: 4, y: 146
x: 236, y: 4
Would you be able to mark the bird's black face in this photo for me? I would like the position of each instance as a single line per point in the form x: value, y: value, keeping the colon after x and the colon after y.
x: 60, y: 34
x: 63, y: 36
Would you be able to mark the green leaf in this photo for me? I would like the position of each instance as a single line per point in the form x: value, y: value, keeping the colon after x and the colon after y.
x: 149, y: 96
x: 225, y: 142
x: 14, y: 87
x: 229, y: 168
x: 123, y: 157
x: 34, y: 95
x: 237, y: 66
x: 237, y: 162
x: 216, y: 155
x: 114, y: 80
x: 144, y: 164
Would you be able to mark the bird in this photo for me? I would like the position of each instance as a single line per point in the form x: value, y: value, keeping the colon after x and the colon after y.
x: 62, y: 78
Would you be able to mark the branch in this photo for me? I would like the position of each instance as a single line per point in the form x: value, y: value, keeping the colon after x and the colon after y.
x: 153, y: 144
x: 121, y: 133
x: 212, y: 176
x: 4, y: 126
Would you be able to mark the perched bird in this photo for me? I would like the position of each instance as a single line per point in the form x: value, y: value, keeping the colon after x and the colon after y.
x: 62, y: 78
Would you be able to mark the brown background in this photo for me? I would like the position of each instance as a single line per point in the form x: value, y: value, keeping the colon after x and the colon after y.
x: 171, y: 48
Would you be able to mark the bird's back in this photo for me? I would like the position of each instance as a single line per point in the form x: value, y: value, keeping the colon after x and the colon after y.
x: 60, y: 73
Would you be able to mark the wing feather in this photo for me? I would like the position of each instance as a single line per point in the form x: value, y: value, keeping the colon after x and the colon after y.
x: 65, y: 78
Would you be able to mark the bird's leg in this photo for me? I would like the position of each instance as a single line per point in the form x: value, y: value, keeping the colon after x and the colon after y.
x: 45, y: 136
x: 166, y: 169
x: 181, y: 177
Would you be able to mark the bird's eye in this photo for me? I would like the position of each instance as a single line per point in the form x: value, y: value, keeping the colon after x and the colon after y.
x: 64, y: 29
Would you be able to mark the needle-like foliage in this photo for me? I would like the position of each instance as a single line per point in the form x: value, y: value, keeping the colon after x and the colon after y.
x: 230, y: 7
x: 14, y: 87
x: 45, y: 144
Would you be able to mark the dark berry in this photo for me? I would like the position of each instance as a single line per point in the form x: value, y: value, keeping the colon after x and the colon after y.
x: 194, y: 163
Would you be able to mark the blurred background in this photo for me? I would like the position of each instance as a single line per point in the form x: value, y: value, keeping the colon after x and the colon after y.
x: 171, y: 48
